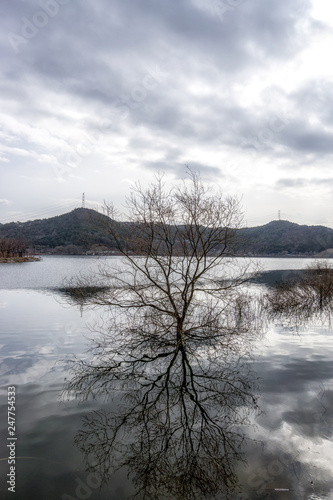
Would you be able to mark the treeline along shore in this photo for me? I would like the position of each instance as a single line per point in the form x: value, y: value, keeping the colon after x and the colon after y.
x: 15, y: 250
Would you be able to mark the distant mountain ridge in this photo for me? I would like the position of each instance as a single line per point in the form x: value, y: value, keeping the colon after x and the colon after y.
x: 281, y: 236
x: 84, y: 230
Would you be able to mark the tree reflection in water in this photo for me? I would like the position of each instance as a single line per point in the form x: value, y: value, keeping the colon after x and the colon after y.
x: 180, y: 424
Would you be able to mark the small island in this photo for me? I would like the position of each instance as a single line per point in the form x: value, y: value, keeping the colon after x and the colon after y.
x: 13, y: 260
x: 13, y: 250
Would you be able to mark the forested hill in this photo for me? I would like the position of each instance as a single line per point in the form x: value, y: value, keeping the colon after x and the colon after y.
x: 78, y: 231
x: 84, y: 230
x: 278, y: 237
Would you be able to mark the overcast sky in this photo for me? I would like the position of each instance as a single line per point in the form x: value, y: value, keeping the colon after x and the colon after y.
x: 98, y: 94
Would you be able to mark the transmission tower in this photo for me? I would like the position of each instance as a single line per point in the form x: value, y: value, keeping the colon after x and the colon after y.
x: 83, y: 201
x: 279, y: 214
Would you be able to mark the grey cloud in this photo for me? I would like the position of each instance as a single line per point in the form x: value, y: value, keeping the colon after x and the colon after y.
x: 315, y: 97
x: 298, y: 183
x: 306, y: 130
x: 307, y: 139
x: 293, y: 183
x: 130, y: 34
x: 94, y: 57
x: 179, y: 169
x: 101, y: 66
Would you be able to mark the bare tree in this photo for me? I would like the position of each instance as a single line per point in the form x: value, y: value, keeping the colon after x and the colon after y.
x: 176, y: 339
x: 179, y: 273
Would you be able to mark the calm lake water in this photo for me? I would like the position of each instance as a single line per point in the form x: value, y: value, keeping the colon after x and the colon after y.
x: 40, y: 331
